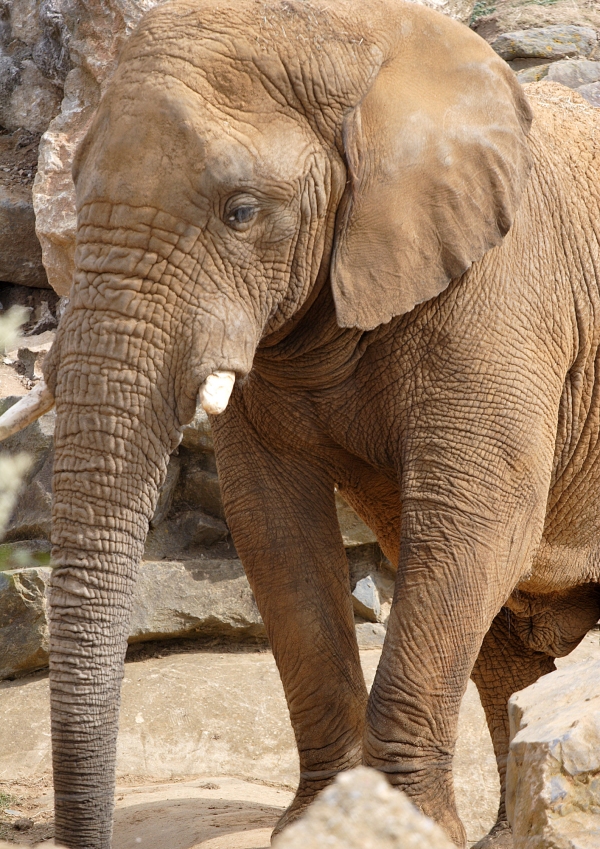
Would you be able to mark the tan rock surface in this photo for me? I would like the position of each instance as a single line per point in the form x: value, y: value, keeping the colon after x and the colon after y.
x: 211, y: 812
x: 553, y: 796
x: 361, y: 811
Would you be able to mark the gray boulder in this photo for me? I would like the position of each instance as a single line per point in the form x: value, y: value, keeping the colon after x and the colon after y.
x: 202, y: 596
x: 553, y: 42
x: 533, y: 74
x: 574, y: 72
x: 361, y: 811
x: 591, y: 92
x: 34, y: 61
x: 354, y: 531
x: 365, y: 598
x: 20, y: 251
x: 32, y: 516
x: 370, y: 635
x: 23, y: 626
x: 197, y: 436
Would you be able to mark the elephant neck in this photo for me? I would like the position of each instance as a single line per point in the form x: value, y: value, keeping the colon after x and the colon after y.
x: 315, y: 352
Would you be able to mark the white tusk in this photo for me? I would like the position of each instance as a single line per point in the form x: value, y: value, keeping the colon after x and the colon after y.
x: 26, y: 410
x: 215, y: 391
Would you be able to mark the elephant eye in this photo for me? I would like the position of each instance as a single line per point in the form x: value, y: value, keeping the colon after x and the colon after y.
x: 240, y: 215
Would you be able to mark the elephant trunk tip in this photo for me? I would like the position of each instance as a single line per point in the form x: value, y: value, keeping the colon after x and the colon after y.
x: 26, y: 410
x: 215, y: 392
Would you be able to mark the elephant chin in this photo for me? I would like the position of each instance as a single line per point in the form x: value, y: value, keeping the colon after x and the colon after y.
x: 215, y: 392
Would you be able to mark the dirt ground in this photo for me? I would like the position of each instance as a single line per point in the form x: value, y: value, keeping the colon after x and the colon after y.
x: 226, y: 709
x: 206, y: 813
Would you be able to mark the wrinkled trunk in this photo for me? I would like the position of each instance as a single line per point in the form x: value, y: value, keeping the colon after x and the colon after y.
x: 130, y: 357
x: 111, y: 455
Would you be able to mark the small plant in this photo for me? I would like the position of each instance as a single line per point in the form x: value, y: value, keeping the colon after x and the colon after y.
x: 13, y: 468
x: 6, y: 800
x: 481, y: 8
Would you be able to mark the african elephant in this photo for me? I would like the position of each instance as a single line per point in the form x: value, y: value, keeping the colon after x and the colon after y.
x: 332, y: 224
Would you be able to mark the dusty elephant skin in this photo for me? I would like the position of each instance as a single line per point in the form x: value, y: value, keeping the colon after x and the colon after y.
x: 404, y: 281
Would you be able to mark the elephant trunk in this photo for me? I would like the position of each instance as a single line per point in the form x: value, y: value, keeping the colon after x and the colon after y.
x: 111, y: 454
x: 132, y: 354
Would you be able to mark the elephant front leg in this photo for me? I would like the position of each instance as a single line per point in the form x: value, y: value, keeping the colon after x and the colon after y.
x: 281, y: 511
x: 459, y: 558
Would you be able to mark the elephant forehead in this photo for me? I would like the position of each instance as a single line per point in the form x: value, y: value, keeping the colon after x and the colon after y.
x: 159, y: 143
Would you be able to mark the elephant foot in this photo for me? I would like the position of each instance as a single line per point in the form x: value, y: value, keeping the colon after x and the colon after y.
x: 305, y: 795
x: 289, y: 816
x: 500, y: 837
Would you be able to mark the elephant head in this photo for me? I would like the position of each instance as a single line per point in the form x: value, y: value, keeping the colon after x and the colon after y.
x: 244, y: 156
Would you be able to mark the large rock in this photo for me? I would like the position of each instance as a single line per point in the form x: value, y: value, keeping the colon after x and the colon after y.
x: 366, y: 600
x: 208, y: 597
x: 23, y: 626
x: 361, y: 811
x: 34, y: 61
x: 460, y: 10
x: 354, y: 531
x: 20, y: 251
x: 203, y: 597
x: 32, y: 516
x: 591, y: 92
x: 490, y: 18
x: 553, y: 797
x: 574, y: 72
x: 555, y: 42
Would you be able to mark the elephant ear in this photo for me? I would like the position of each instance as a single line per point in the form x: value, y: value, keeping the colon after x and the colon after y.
x: 437, y: 159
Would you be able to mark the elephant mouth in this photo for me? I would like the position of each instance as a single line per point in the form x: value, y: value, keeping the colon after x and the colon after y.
x: 214, y: 395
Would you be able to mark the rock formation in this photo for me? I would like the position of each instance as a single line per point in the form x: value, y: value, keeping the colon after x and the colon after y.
x: 553, y: 797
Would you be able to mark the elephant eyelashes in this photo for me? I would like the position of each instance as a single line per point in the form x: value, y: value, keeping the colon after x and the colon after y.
x: 239, y: 217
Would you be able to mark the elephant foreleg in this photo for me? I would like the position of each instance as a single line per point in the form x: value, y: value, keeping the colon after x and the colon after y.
x: 504, y: 666
x: 462, y: 549
x: 281, y: 510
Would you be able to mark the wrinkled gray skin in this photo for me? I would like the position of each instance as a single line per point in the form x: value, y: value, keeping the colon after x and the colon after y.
x: 298, y: 195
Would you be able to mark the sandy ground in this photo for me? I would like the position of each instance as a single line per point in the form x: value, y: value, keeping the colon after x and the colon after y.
x: 212, y: 812
x: 226, y: 710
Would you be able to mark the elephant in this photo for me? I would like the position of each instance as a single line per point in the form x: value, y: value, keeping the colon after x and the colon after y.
x: 374, y: 259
